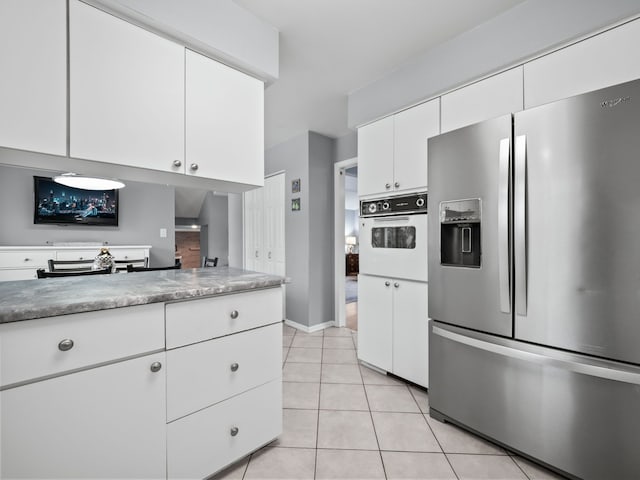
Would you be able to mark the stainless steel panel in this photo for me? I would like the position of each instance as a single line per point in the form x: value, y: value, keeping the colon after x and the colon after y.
x: 464, y: 164
x: 583, y: 221
x: 573, y: 412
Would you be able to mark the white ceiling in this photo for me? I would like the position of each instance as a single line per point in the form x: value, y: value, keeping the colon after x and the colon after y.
x: 329, y: 48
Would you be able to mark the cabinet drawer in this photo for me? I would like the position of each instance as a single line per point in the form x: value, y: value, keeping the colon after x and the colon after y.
x: 196, y: 320
x: 31, y: 349
x: 25, y: 259
x: 205, y: 373
x: 202, y: 443
x: 12, y: 274
x: 77, y: 254
x: 128, y: 253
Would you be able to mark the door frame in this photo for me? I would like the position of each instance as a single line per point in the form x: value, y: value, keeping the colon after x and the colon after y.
x: 338, y: 228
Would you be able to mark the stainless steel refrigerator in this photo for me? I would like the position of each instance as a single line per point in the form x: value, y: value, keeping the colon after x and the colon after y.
x: 534, y: 269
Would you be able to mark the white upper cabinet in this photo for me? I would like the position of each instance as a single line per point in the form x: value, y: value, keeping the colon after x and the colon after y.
x: 412, y: 129
x: 597, y: 62
x: 375, y: 157
x: 126, y: 92
x: 224, y: 122
x: 488, y: 98
x: 392, y: 152
x: 33, y: 85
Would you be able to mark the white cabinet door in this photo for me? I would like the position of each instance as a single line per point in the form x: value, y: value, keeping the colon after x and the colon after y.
x: 126, y: 92
x: 412, y: 129
x: 489, y: 98
x: 601, y: 61
x: 253, y: 229
x: 108, y: 422
x: 411, y: 331
x: 375, y: 157
x: 273, y: 219
x: 33, y: 84
x: 375, y: 321
x: 224, y: 122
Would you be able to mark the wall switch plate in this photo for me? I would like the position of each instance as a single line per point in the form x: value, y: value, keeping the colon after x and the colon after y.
x: 163, y: 233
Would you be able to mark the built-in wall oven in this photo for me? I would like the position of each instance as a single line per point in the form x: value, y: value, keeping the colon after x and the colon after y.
x: 393, y: 237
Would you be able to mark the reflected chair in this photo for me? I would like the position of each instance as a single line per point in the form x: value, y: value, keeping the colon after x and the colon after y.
x: 209, y: 262
x: 131, y: 268
x: 70, y: 265
x: 66, y: 273
x: 121, y: 265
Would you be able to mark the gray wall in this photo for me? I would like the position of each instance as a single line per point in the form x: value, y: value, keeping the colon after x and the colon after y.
x: 346, y: 147
x: 522, y: 32
x: 215, y: 215
x: 321, y: 229
x: 144, y: 210
x: 292, y: 157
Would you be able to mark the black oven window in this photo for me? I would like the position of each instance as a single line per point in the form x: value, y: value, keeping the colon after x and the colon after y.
x: 393, y: 237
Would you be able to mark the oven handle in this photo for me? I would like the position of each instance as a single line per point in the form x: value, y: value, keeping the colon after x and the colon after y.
x: 391, y: 219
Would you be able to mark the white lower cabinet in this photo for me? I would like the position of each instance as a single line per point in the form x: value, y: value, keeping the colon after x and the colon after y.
x: 210, y: 439
x: 393, y: 326
x: 106, y: 421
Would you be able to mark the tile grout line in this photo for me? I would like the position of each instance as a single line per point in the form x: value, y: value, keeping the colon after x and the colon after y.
x: 373, y: 424
x: 315, y: 462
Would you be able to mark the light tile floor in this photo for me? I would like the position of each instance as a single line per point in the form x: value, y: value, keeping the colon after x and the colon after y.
x: 342, y: 420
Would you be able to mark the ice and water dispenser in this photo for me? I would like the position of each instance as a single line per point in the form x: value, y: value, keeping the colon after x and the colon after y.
x: 460, y: 223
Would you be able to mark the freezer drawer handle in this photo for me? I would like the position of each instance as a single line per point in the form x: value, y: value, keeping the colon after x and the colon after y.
x: 577, y: 367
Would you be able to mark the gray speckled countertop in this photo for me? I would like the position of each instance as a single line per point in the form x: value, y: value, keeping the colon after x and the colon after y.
x: 29, y: 299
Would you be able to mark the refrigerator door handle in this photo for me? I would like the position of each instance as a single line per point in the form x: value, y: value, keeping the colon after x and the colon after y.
x: 604, y: 371
x: 520, y: 224
x: 504, y: 277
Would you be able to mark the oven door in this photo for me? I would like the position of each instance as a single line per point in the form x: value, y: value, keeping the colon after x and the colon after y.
x: 394, y: 246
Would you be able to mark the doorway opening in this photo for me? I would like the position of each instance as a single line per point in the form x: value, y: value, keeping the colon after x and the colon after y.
x: 346, y: 223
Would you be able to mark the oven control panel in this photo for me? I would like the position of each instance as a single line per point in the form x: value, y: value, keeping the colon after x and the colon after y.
x: 408, y: 204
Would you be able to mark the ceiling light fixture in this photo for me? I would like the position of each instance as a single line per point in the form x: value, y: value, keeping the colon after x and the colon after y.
x: 88, y: 183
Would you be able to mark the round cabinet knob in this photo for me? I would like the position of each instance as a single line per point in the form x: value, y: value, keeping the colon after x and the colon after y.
x: 177, y: 163
x: 234, y: 314
x: 387, y: 283
x: 65, y: 345
x: 256, y: 253
x: 269, y: 256
x: 234, y: 367
x: 234, y: 431
x: 27, y: 259
x: 396, y: 284
x: 194, y: 166
x: 156, y: 367
x: 397, y: 184
x: 81, y: 258
x: 387, y: 186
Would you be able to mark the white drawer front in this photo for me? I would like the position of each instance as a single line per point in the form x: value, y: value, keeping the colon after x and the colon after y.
x: 205, y: 373
x: 201, y: 444
x: 25, y: 259
x: 128, y: 253
x: 197, y: 320
x: 32, y: 349
x: 88, y: 254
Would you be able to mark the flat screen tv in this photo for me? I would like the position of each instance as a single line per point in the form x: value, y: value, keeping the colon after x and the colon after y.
x: 58, y: 204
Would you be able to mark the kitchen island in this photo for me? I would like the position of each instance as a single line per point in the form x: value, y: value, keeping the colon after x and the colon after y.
x: 163, y: 374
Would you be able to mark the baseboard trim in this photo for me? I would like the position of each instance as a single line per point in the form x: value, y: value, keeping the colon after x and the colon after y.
x: 312, y: 328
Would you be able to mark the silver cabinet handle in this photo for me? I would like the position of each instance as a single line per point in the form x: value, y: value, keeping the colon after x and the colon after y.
x: 397, y: 184
x: 27, y: 259
x: 396, y: 284
x: 387, y: 283
x: 234, y: 431
x: 269, y: 256
x: 193, y: 166
x: 80, y: 258
x: 155, y: 367
x: 256, y: 253
x: 177, y: 163
x: 387, y: 186
x: 234, y: 367
x: 65, y: 345
x: 504, y: 280
x: 520, y: 224
x: 234, y: 314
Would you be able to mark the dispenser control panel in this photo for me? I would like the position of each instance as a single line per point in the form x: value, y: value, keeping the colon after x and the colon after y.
x: 460, y: 211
